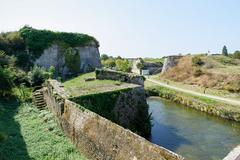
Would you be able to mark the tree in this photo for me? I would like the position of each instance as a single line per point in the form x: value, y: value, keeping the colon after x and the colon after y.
x: 37, y: 76
x: 236, y: 54
x: 123, y: 65
x: 109, y: 63
x: 225, y: 51
x: 140, y: 65
x: 104, y: 57
x: 6, y: 79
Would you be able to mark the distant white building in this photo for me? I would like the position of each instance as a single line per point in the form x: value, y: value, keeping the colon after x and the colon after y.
x: 145, y: 72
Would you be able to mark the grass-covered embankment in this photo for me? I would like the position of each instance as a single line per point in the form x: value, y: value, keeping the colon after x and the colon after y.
x: 27, y: 133
x: 200, y: 103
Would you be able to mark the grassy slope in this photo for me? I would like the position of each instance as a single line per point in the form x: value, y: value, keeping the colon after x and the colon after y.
x: 211, y: 106
x: 32, y: 134
x: 78, y: 86
x: 196, y: 88
x: 216, y: 65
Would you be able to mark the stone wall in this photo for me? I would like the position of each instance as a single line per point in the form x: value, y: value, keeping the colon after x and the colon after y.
x: 169, y: 62
x: 97, y: 137
x: 54, y: 56
x: 119, y: 76
x: 127, y: 107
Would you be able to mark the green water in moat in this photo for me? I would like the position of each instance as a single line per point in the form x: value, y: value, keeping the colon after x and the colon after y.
x: 193, y: 134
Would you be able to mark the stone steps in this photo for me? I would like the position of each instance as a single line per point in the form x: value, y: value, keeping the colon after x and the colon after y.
x: 38, y: 99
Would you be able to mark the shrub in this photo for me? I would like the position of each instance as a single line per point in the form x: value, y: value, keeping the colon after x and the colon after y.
x: 236, y: 55
x: 6, y: 79
x: 23, y: 60
x: 109, y: 63
x: 197, y: 72
x: 123, y: 65
x: 51, y: 71
x: 233, y: 87
x: 104, y: 57
x: 140, y: 65
x: 72, y: 60
x: 197, y: 61
x: 37, y: 76
x: 2, y: 137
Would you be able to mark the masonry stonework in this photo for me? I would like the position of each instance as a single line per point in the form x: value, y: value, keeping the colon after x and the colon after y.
x: 97, y: 137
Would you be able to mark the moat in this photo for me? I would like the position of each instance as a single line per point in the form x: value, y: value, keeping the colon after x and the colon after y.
x: 191, y: 133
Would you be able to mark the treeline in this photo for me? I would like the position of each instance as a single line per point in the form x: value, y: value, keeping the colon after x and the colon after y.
x: 116, y: 63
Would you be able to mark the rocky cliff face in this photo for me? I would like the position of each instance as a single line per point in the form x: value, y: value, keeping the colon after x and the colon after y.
x: 54, y: 56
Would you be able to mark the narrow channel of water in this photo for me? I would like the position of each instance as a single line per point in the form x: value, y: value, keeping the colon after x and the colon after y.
x: 191, y: 133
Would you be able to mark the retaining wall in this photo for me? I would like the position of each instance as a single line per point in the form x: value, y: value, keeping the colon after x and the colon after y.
x: 119, y: 76
x: 97, y: 137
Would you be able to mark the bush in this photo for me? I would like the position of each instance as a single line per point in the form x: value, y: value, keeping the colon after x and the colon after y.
x: 72, y: 60
x: 37, y: 76
x: 233, y: 87
x: 123, y: 65
x: 197, y: 61
x: 236, y: 55
x: 109, y: 63
x: 51, y: 71
x: 104, y: 57
x: 2, y: 137
x: 197, y: 72
x: 6, y: 79
x: 140, y: 65
x: 23, y: 60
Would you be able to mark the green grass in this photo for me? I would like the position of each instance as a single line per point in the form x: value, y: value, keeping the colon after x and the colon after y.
x: 78, y: 86
x: 174, y: 95
x: 32, y: 134
x: 154, y: 60
x: 211, y: 91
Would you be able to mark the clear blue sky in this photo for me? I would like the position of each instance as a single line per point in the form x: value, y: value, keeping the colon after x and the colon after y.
x: 134, y: 28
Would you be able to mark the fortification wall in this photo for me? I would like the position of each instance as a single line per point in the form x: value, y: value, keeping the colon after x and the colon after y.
x: 169, y: 62
x: 127, y: 107
x: 54, y: 56
x: 97, y: 137
x: 120, y: 76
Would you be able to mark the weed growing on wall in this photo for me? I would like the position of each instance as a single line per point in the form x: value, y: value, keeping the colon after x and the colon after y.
x: 38, y: 40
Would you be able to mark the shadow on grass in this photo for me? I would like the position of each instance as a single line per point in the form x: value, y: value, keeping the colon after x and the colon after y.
x: 12, y: 144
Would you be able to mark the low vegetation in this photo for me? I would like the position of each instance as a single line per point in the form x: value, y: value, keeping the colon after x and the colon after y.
x: 116, y: 63
x: 200, y: 103
x: 215, y: 72
x: 38, y: 40
x: 81, y: 85
x: 28, y: 133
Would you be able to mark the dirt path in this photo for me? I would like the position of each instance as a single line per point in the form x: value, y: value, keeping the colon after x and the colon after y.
x: 226, y: 100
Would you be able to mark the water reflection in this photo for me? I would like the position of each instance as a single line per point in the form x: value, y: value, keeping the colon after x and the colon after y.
x: 192, y: 134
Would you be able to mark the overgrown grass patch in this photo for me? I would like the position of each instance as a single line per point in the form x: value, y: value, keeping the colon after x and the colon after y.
x: 78, y: 86
x: 32, y: 134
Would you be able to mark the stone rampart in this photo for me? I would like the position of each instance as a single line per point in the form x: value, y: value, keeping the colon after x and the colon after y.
x: 170, y: 62
x: 97, y: 137
x: 119, y: 76
x: 54, y: 56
